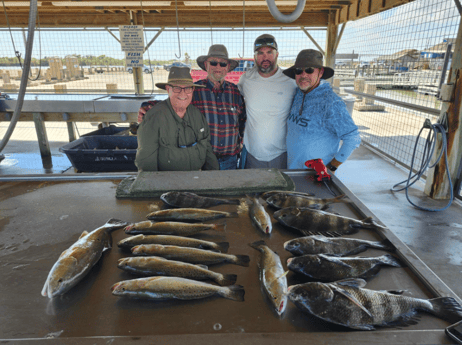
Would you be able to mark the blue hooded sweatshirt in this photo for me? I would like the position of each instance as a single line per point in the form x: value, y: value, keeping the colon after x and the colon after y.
x: 317, y: 122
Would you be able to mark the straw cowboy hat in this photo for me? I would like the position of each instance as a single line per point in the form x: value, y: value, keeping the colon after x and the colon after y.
x: 178, y: 76
x: 218, y: 51
x: 309, y: 58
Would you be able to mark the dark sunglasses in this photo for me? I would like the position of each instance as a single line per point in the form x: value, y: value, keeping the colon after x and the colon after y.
x: 215, y: 63
x: 265, y: 42
x: 187, y: 89
x: 189, y: 145
x: 308, y: 70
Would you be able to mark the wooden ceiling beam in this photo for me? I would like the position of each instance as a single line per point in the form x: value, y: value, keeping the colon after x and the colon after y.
x: 189, y: 19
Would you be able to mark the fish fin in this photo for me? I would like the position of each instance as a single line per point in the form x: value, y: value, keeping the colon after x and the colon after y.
x: 341, y: 198
x: 409, y: 319
x: 114, y: 224
x: 223, y: 247
x: 393, y: 292
x: 325, y: 207
x: 324, y: 239
x: 334, y: 260
x: 233, y: 292
x: 352, y: 299
x: 362, y: 327
x: 353, y: 282
x: 242, y: 260
x: 85, y: 233
x: 316, y: 206
x: 295, y: 211
x: 390, y: 260
x: 384, y: 245
x: 232, y: 215
x: 446, y: 308
x: 257, y: 244
x: 226, y: 279
x: 219, y: 227
x: 281, y: 276
x: 205, y: 267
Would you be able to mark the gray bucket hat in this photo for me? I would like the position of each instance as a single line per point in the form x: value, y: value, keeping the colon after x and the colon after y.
x: 218, y: 51
x: 309, y: 58
x: 178, y: 76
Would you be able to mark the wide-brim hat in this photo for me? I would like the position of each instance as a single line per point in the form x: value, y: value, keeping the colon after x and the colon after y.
x: 218, y: 51
x: 178, y: 76
x: 309, y: 58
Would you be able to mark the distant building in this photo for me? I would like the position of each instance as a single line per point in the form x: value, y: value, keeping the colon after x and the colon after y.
x: 402, y: 60
x: 438, y: 51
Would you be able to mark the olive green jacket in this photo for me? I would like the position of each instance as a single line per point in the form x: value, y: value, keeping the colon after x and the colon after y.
x: 162, y: 132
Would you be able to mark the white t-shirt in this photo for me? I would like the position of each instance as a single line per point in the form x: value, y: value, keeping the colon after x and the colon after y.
x: 268, y: 102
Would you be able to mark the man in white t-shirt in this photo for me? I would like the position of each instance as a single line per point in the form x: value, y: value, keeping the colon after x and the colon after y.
x: 268, y: 95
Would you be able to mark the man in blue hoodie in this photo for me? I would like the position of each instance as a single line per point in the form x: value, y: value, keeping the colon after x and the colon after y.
x: 318, y: 120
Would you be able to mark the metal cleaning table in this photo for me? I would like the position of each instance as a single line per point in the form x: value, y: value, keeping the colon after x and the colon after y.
x: 39, y: 220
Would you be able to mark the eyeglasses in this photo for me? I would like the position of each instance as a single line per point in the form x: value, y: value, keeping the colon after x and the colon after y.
x: 189, y: 145
x: 178, y: 89
x: 308, y: 70
x: 266, y: 42
x: 215, y: 63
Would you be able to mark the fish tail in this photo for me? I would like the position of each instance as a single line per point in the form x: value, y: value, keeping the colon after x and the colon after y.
x: 446, y: 308
x: 340, y: 198
x: 114, y: 224
x: 390, y: 260
x: 223, y: 247
x: 233, y: 292
x: 385, y: 245
x: 370, y: 223
x: 219, y: 227
x: 232, y: 215
x: 257, y: 245
x: 241, y: 260
x: 226, y: 279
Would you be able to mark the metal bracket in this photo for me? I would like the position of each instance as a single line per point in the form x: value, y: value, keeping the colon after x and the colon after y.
x: 443, y: 121
x: 65, y: 116
x: 447, y: 92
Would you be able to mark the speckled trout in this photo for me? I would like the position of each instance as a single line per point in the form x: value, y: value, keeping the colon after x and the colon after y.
x: 266, y: 195
x: 164, y: 288
x: 185, y: 199
x: 171, y: 228
x: 189, y: 214
x: 191, y: 255
x: 157, y: 266
x: 272, y: 276
x: 346, y: 303
x: 76, y: 261
x: 180, y: 241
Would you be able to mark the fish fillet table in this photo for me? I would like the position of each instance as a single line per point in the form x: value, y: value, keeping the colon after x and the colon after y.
x: 39, y: 220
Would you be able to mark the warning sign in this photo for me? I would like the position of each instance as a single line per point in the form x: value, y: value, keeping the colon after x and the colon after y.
x: 131, y: 38
x: 133, y: 59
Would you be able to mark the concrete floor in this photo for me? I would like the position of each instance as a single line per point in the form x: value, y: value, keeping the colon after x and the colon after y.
x: 436, y: 237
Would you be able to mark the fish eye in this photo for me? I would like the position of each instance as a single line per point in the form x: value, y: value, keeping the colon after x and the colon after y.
x: 60, y: 280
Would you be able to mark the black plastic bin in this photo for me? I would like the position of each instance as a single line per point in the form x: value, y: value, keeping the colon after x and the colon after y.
x: 111, y: 130
x: 104, y: 153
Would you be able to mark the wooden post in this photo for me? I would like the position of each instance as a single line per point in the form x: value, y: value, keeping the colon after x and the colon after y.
x: 111, y: 88
x: 437, y: 183
x: 137, y: 71
x: 42, y: 137
x: 331, y: 38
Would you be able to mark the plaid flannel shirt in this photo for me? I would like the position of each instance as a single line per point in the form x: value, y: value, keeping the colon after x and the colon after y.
x: 224, y: 110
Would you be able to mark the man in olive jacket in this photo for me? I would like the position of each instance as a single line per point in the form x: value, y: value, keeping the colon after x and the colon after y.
x: 174, y: 135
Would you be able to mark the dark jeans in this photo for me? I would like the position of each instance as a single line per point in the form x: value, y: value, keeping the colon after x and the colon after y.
x: 228, y: 162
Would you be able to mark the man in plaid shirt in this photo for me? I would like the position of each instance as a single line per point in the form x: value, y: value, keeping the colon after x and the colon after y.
x: 223, y: 106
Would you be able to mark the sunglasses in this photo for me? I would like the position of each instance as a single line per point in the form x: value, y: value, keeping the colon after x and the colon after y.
x: 308, y: 70
x: 178, y: 89
x: 215, y: 63
x: 189, y: 145
x: 265, y: 42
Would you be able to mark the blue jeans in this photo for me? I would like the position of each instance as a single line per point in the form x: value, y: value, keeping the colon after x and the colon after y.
x: 228, y: 162
x: 242, y: 159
